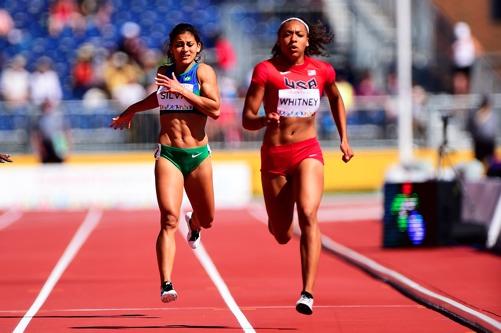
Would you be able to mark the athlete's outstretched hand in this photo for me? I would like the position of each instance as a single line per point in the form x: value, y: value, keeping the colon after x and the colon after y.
x: 5, y: 158
x: 123, y: 120
x: 347, y: 152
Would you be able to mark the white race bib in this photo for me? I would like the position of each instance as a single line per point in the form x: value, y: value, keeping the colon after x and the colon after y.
x: 173, y: 101
x: 298, y: 102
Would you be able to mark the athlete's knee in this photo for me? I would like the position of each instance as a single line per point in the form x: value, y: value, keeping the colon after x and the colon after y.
x: 281, y: 236
x: 168, y: 220
x: 307, y: 216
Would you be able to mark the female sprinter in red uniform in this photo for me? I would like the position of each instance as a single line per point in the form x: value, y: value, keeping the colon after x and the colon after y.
x: 187, y: 94
x: 290, y: 85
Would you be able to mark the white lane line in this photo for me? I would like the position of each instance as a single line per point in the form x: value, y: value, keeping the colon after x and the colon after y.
x: 218, y: 281
x: 9, y: 217
x: 364, y: 261
x: 374, y: 266
x: 349, y: 214
x: 208, y: 308
x: 90, y: 222
x: 495, y: 226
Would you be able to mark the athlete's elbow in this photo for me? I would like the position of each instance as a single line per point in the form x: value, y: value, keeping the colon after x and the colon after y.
x: 215, y: 114
x: 245, y: 124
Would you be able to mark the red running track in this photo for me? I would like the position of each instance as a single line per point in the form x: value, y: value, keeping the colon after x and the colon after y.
x: 111, y: 282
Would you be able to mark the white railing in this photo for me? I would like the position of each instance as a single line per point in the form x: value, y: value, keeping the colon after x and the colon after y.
x: 372, y: 122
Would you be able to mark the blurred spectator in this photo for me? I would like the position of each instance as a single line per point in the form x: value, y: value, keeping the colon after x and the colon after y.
x: 225, y: 54
x: 83, y: 71
x: 51, y: 134
x: 151, y: 59
x: 366, y: 86
x: 494, y: 168
x: 131, y: 43
x: 368, y: 112
x: 327, y: 127
x: 465, y: 50
x: 482, y: 125
x: 96, y: 13
x: 229, y: 89
x: 129, y: 93
x: 228, y: 125
x: 390, y: 105
x: 392, y: 83
x: 100, y: 59
x: 15, y: 83
x: 119, y: 71
x: 419, y: 114
x: 89, y: 7
x: 345, y: 89
x: 102, y: 18
x: 62, y: 14
x: 45, y: 84
x: 460, y: 83
x: 6, y: 23
x: 94, y: 98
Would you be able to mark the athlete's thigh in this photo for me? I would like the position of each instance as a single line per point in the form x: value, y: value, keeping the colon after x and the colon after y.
x: 169, y: 186
x: 279, y: 200
x: 200, y: 189
x: 308, y: 185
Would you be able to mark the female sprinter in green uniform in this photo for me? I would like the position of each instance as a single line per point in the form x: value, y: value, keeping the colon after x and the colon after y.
x: 187, y: 93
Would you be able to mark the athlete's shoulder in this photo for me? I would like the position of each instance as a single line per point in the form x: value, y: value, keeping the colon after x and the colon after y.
x: 267, y: 64
x: 204, y: 71
x: 202, y: 67
x: 262, y: 72
x: 323, y: 68
x: 319, y: 63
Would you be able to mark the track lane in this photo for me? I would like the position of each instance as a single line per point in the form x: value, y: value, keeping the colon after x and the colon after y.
x: 459, y: 273
x: 264, y: 277
x: 113, y: 284
x: 29, y: 249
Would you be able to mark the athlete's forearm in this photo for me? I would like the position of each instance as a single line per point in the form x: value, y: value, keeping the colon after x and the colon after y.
x: 253, y: 122
x: 338, y: 110
x: 203, y: 104
x: 148, y: 103
x: 339, y: 115
x: 250, y: 119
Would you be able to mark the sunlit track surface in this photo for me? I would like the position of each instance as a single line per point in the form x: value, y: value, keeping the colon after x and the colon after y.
x: 483, y: 318
x: 48, y: 312
x: 112, y: 282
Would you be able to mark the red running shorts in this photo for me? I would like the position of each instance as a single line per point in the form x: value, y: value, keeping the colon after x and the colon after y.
x: 283, y: 160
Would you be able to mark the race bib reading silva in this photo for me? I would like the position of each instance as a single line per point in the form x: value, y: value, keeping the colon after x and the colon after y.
x: 173, y: 101
x: 298, y: 102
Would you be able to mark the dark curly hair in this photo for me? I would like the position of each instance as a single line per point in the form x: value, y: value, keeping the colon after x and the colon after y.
x: 318, y: 37
x: 179, y: 29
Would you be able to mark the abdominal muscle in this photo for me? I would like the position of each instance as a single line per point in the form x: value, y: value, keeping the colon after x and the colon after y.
x: 290, y: 130
x: 183, y: 130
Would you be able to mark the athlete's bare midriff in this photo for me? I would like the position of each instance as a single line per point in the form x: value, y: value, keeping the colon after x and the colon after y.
x: 183, y: 130
x: 290, y: 130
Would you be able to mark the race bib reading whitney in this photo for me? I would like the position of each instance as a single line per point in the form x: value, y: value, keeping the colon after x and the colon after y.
x: 173, y: 101
x: 298, y: 102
